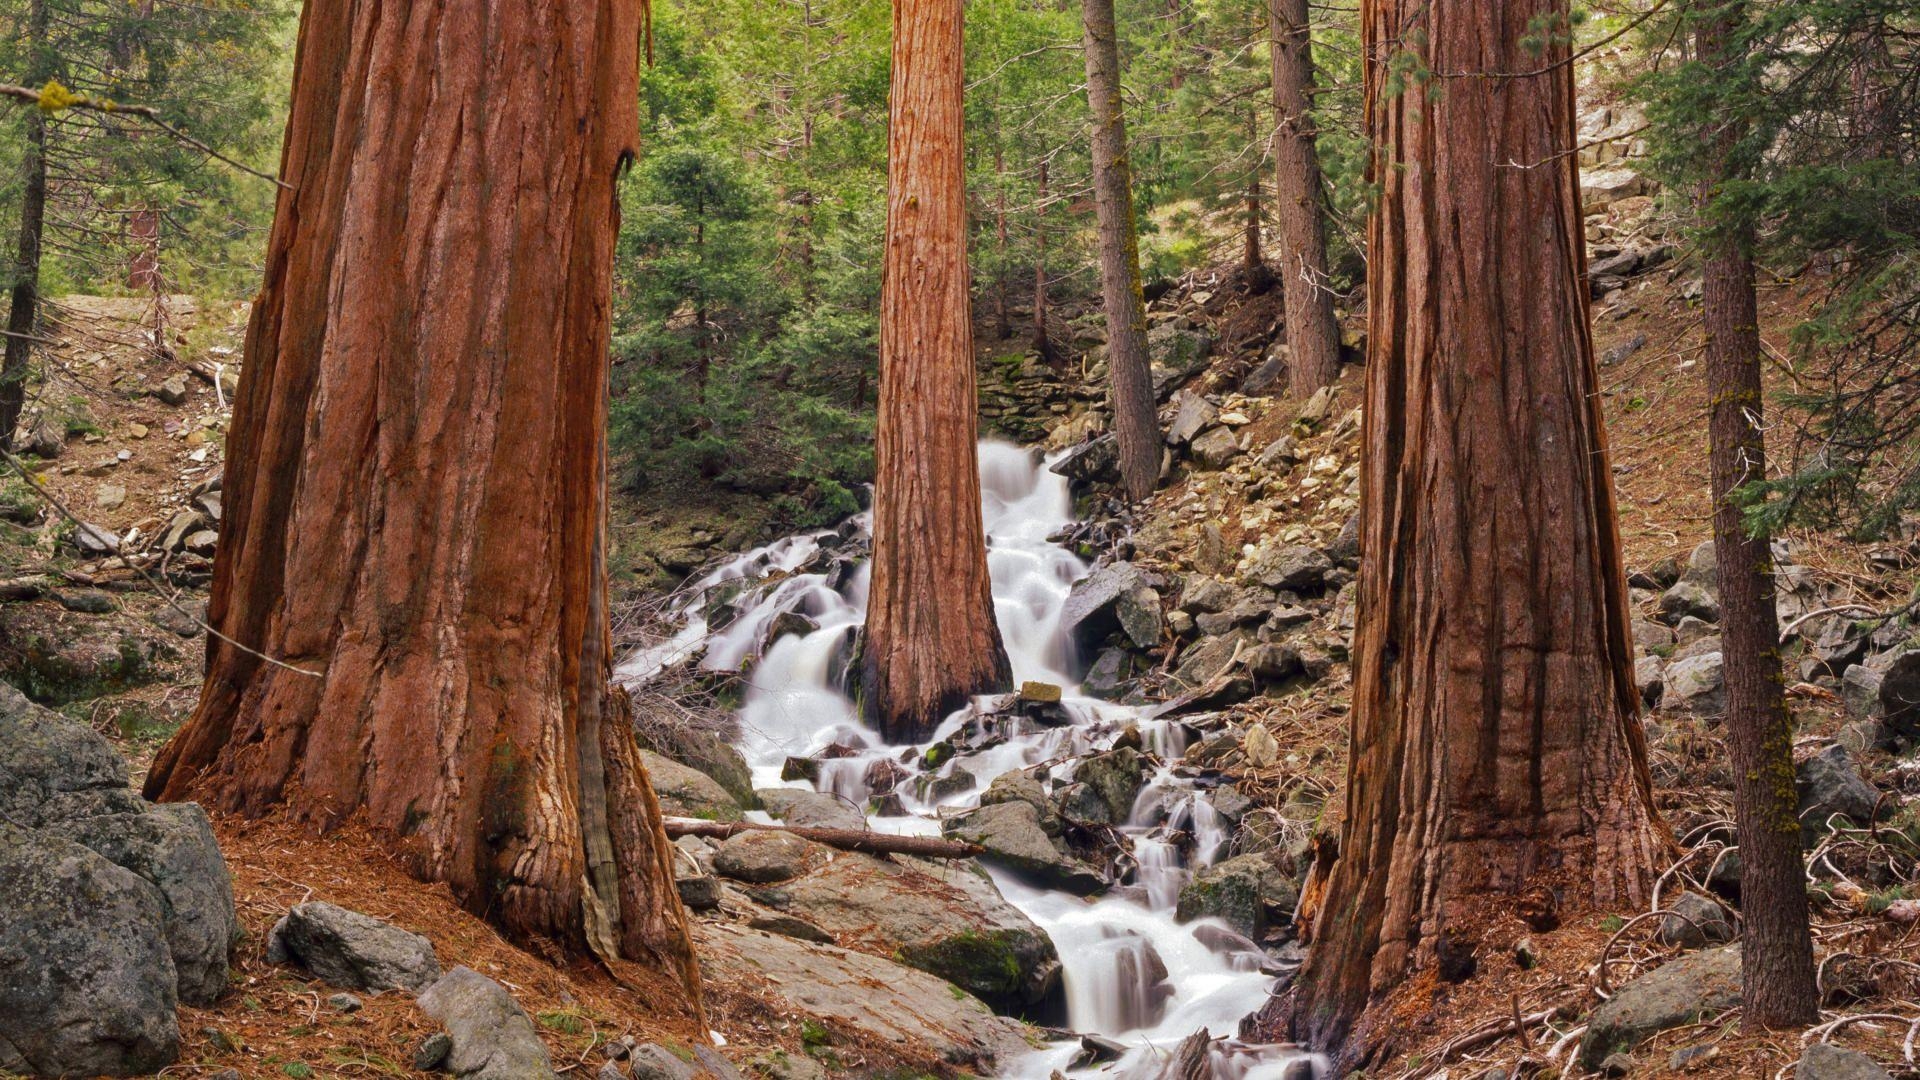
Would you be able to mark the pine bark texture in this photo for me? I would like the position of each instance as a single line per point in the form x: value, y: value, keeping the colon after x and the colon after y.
x: 1313, y: 334
x: 1777, y: 969
x: 931, y: 641
x: 1135, y: 421
x: 1496, y: 750
x: 23, y: 312
x: 416, y: 480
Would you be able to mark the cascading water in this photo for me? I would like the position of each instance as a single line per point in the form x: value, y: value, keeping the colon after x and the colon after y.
x: 1131, y: 972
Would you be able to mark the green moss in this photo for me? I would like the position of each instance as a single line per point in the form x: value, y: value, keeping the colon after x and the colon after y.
x: 986, y: 964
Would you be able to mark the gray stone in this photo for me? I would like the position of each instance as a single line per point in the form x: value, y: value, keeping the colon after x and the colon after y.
x: 1829, y: 784
x: 1648, y: 636
x: 1860, y: 691
x: 1824, y: 1061
x: 432, y: 1052
x: 43, y: 754
x: 172, y: 390
x: 87, y: 985
x: 699, y: 893
x: 1292, y: 567
x: 780, y: 1065
x: 1900, y: 693
x: 859, y: 997
x: 811, y: 809
x: 1689, y: 598
x: 688, y: 792
x: 1092, y: 462
x: 1696, y: 685
x: 1249, y: 893
x: 1114, y: 779
x: 352, y: 951
x: 345, y: 1003
x: 1201, y: 594
x: 1013, y: 838
x: 791, y: 926
x: 1192, y: 417
x: 1694, y: 987
x: 1092, y: 611
x: 761, y: 857
x: 1701, y: 566
x: 1698, y: 646
x: 492, y: 1039
x: 95, y: 540
x: 1216, y: 448
x: 1696, y: 923
x: 1649, y: 677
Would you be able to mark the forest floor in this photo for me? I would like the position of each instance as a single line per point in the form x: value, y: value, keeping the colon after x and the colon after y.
x: 96, y: 640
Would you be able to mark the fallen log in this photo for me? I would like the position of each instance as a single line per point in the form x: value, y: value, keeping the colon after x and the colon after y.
x: 869, y: 843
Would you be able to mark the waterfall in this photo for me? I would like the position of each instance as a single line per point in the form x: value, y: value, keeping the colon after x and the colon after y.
x: 1131, y: 972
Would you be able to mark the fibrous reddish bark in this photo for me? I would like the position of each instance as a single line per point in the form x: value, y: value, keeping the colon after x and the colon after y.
x: 1776, y: 960
x: 1313, y: 335
x: 1496, y: 749
x: 1128, y: 366
x: 416, y: 489
x: 931, y: 641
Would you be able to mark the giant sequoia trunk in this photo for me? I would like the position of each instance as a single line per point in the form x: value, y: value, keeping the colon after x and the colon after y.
x: 1497, y: 762
x: 931, y: 641
x: 1313, y: 336
x: 23, y: 312
x: 416, y: 481
x: 1134, y: 419
x: 1777, y: 946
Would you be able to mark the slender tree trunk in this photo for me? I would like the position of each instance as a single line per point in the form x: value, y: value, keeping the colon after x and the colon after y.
x: 1498, y: 767
x: 23, y: 314
x: 1253, y: 263
x: 1776, y: 944
x: 416, y: 478
x: 931, y: 641
x: 1042, y: 343
x: 1134, y: 419
x: 1313, y: 335
x: 1002, y: 318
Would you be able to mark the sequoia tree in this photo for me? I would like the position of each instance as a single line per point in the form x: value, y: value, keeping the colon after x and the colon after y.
x: 1313, y: 337
x: 1780, y: 988
x: 931, y: 641
x: 416, y: 481
x: 1134, y: 419
x: 1498, y: 773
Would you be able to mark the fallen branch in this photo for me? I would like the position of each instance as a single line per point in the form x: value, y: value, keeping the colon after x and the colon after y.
x: 870, y: 843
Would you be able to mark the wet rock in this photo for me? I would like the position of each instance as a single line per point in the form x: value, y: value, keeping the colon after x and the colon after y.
x: 1694, y: 987
x: 1111, y: 676
x: 1114, y: 779
x: 87, y: 985
x: 688, y: 792
x: 1290, y: 567
x: 1696, y: 923
x: 1829, y: 784
x: 1249, y: 893
x: 492, y: 1038
x: 1696, y: 685
x: 861, y: 998
x: 1013, y: 838
x: 1824, y: 1061
x: 811, y: 809
x: 789, y: 624
x: 948, y: 921
x: 353, y: 951
x: 762, y: 857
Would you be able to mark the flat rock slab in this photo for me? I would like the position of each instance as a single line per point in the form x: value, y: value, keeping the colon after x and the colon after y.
x: 859, y: 996
x: 492, y: 1037
x: 1823, y: 1061
x: 1683, y: 991
x: 352, y: 951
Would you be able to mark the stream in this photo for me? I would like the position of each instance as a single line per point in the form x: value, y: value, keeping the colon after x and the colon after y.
x: 1108, y: 945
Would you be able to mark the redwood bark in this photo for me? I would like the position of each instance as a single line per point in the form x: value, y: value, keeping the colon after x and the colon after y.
x: 23, y: 312
x: 1777, y: 970
x: 1313, y: 335
x: 416, y: 478
x: 1128, y: 365
x: 931, y: 641
x: 1496, y: 749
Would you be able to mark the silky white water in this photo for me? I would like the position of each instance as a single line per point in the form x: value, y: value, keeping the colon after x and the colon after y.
x: 1131, y: 972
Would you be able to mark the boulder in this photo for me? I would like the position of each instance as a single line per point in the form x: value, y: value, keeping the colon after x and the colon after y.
x: 491, y: 1035
x: 1825, y: 1061
x: 1114, y: 780
x: 1689, y: 598
x: 1694, y: 987
x: 1900, y: 693
x: 1650, y: 678
x: 811, y: 809
x: 1094, y: 606
x: 1096, y: 461
x: 1696, y: 685
x: 762, y: 857
x: 1248, y: 893
x: 1829, y: 784
x: 353, y: 951
x: 1013, y: 838
x: 1216, y: 448
x: 87, y: 984
x: 688, y: 792
x: 1697, y: 922
x: 858, y: 998
x: 948, y: 921
x: 1194, y: 415
x: 1201, y: 595
x: 1860, y: 691
x: 1292, y: 567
